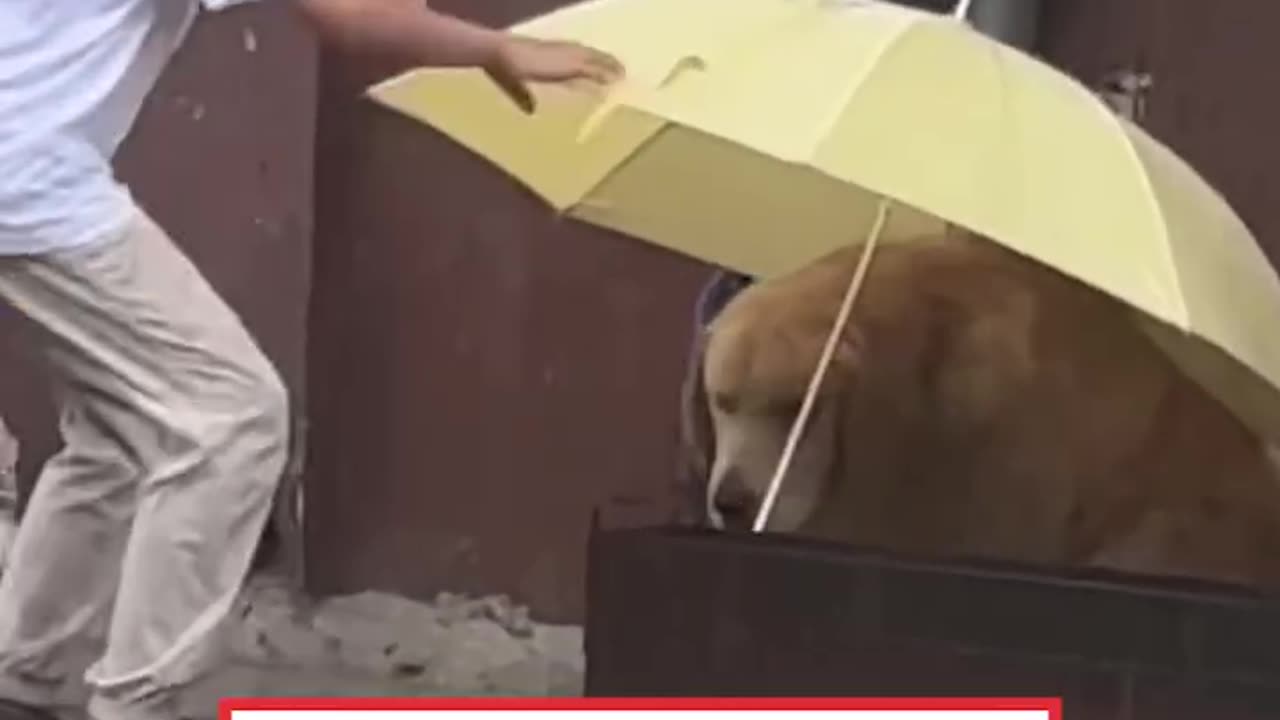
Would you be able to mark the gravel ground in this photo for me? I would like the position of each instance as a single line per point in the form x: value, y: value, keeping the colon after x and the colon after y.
x: 375, y: 644
x: 281, y: 643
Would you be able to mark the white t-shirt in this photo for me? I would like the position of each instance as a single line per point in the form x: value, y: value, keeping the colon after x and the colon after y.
x: 73, y: 75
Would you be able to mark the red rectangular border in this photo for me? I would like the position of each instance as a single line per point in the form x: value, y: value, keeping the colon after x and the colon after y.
x: 1052, y: 705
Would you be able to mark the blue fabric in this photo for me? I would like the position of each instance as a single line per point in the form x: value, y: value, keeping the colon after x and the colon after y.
x: 716, y: 294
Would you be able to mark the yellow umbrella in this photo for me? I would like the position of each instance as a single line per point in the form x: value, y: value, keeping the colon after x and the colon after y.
x: 759, y: 134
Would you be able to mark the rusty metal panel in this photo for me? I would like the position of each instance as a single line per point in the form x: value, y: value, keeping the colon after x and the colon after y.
x: 222, y: 158
x: 1088, y: 38
x: 483, y: 374
x: 745, y: 615
x: 1208, y: 101
x: 1205, y: 61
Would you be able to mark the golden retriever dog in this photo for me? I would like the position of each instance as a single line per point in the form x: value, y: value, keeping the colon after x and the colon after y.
x: 978, y: 405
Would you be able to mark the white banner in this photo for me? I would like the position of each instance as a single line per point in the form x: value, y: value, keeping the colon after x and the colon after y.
x: 599, y: 709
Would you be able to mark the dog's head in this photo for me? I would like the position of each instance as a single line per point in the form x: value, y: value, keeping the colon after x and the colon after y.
x: 922, y: 345
x: 760, y: 358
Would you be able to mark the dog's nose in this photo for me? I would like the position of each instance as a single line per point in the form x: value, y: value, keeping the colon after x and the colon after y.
x: 735, y: 502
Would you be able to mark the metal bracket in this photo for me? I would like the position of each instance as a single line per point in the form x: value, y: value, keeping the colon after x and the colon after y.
x: 1126, y: 91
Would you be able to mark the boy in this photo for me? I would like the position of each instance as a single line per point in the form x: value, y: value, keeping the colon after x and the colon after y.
x: 140, y: 531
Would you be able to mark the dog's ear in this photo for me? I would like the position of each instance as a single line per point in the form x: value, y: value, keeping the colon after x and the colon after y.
x: 697, y: 437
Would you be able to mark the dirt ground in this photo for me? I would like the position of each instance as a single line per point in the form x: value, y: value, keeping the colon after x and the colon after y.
x: 373, y: 644
x: 279, y: 643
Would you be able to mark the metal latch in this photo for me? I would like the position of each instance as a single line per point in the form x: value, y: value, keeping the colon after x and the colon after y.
x: 1125, y: 91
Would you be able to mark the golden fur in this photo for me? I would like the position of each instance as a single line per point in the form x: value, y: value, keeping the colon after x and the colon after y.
x: 979, y: 404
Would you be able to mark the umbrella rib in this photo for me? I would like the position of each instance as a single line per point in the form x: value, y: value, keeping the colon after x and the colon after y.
x: 859, y: 79
x: 819, y: 373
x: 1166, y: 247
x: 618, y: 166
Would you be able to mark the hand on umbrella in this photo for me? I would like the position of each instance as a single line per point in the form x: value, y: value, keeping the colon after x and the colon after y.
x: 521, y: 60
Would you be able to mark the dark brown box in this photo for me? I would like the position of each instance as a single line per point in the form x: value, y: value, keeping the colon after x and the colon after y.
x: 681, y: 612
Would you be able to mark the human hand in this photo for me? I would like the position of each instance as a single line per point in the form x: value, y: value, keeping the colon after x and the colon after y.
x: 520, y: 60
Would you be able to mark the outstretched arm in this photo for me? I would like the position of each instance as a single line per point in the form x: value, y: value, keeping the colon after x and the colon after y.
x: 411, y: 32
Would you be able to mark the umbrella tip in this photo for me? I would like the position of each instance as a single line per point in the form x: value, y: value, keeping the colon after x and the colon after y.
x: 961, y: 11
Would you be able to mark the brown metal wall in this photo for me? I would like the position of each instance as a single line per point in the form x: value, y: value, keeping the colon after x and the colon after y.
x: 1211, y: 101
x: 222, y: 158
x: 482, y: 375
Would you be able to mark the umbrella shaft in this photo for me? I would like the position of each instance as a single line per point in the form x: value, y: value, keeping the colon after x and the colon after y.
x: 819, y: 373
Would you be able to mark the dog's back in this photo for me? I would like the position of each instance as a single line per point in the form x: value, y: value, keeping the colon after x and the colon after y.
x: 991, y: 406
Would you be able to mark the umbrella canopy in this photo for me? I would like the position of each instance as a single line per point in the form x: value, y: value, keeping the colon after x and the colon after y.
x: 760, y: 134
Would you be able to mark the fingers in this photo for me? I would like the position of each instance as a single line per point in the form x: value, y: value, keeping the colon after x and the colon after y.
x: 606, y: 67
x: 560, y: 62
x: 522, y: 97
x: 515, y: 90
x: 597, y: 75
x: 594, y: 64
x: 585, y: 86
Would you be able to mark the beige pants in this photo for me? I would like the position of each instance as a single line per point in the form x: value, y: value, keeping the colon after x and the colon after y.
x: 9, y: 453
x: 141, y: 530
